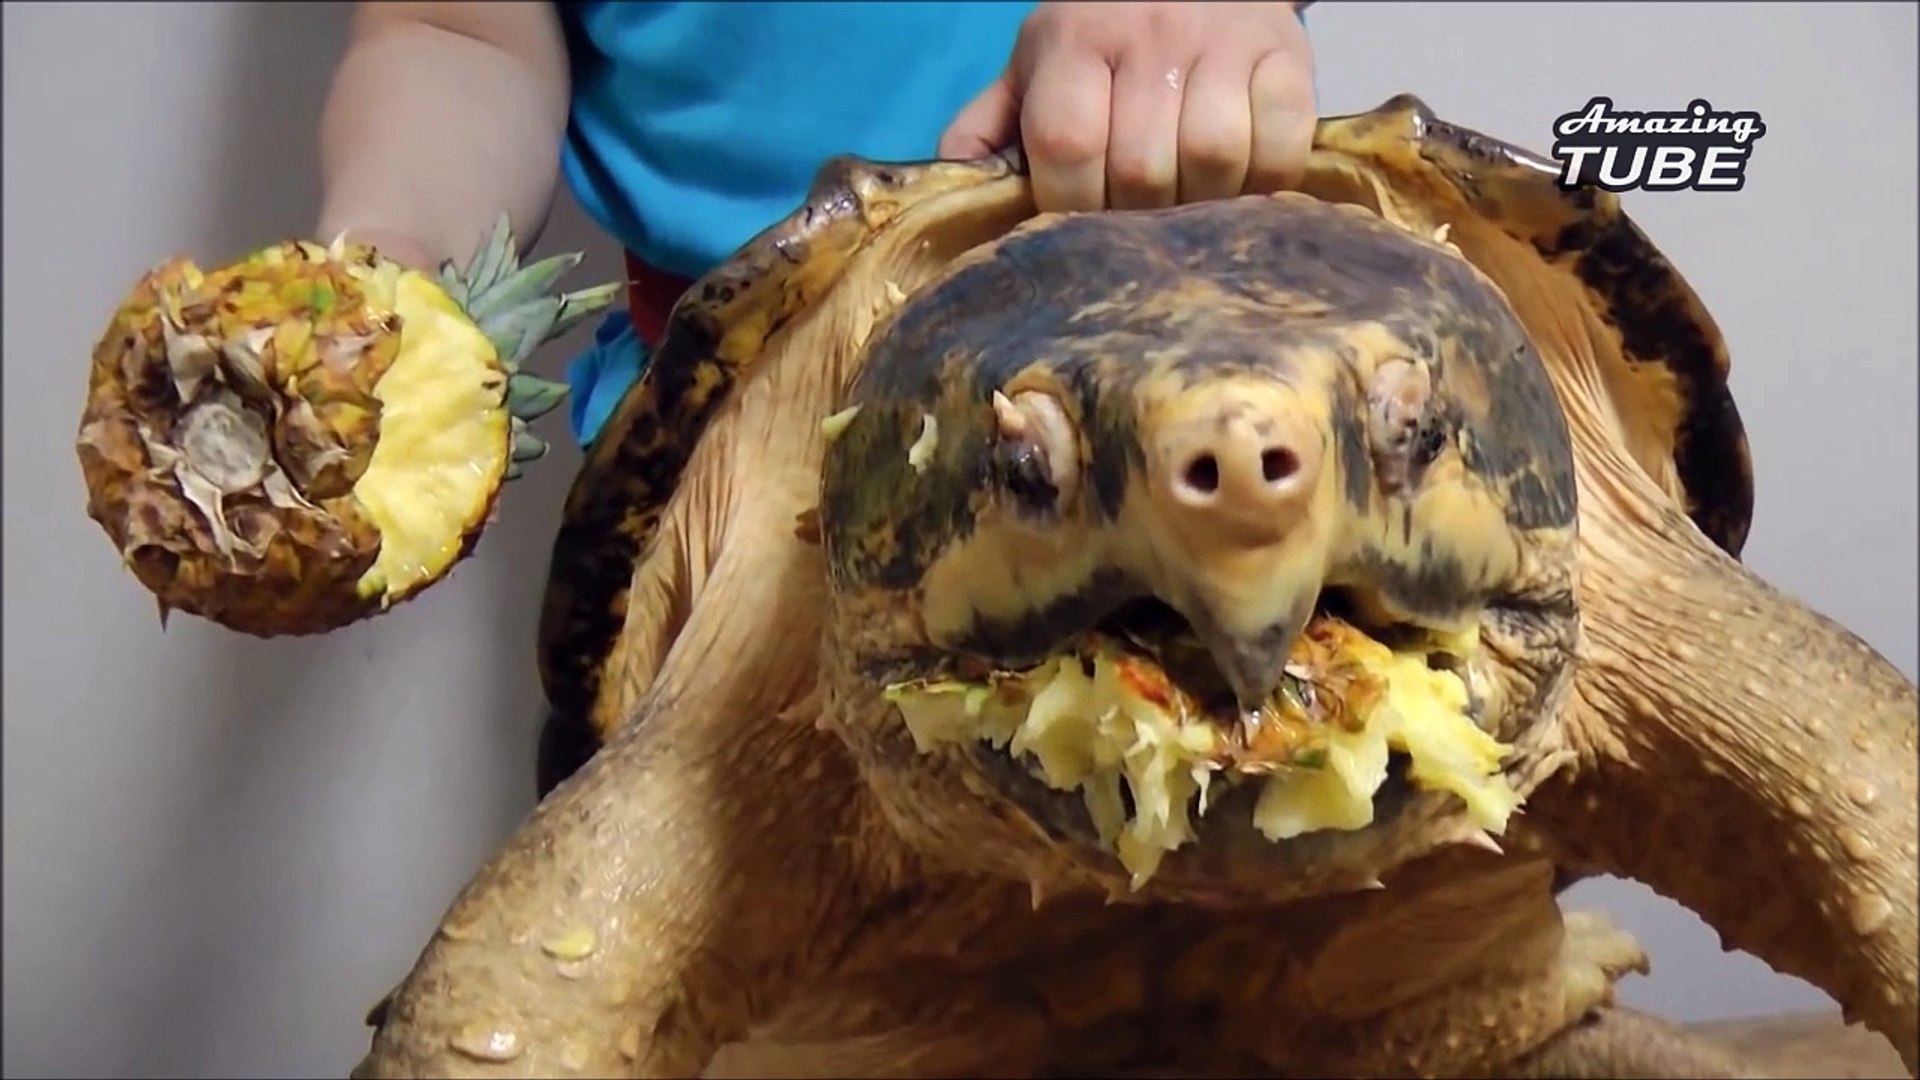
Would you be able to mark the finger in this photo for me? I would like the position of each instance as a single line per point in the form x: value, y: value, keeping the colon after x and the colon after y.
x: 1063, y: 121
x: 1281, y: 94
x: 988, y: 123
x: 1216, y: 129
x: 1143, y: 142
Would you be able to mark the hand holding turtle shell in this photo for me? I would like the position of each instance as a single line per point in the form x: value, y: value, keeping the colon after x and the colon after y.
x: 1137, y: 105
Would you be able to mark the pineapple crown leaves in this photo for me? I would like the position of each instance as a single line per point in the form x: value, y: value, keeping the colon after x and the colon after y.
x: 514, y: 307
x: 526, y: 447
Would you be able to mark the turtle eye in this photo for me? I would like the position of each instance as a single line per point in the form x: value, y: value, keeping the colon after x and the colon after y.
x: 1020, y: 468
x: 1035, y: 458
x: 1407, y: 429
x: 1428, y: 440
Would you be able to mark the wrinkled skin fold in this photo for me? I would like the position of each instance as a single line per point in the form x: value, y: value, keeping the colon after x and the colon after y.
x: 718, y: 890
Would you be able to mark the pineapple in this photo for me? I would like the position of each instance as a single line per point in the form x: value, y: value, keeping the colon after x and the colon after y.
x: 312, y: 434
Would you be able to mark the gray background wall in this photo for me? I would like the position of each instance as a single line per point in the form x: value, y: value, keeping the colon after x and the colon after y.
x: 220, y: 851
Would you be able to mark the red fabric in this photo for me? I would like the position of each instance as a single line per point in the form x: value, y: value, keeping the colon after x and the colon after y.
x: 651, y: 294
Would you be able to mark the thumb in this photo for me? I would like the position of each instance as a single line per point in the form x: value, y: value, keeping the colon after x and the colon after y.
x: 990, y: 122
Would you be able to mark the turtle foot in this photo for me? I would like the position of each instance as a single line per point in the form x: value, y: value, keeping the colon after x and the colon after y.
x: 1478, y: 1026
x: 1622, y: 1042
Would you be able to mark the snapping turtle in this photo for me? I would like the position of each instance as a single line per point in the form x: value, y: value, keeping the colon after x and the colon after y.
x: 1198, y: 639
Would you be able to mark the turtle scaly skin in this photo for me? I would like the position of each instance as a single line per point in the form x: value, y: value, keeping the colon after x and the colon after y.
x: 758, y: 874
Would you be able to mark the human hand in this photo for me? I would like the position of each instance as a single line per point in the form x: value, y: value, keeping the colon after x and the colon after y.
x: 1137, y: 105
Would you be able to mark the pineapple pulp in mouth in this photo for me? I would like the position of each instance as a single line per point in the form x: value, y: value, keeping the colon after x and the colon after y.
x: 1131, y: 722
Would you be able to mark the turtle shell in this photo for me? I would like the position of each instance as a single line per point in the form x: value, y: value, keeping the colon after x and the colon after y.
x: 1556, y: 255
x: 1560, y: 254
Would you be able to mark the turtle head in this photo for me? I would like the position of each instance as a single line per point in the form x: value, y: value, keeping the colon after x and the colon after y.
x: 1100, y: 411
x: 1204, y: 441
x: 1333, y: 445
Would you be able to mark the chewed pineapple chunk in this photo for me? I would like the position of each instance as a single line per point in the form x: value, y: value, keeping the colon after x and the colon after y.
x: 1083, y: 733
x: 1096, y: 730
x: 1424, y: 715
x: 836, y: 425
x: 922, y: 450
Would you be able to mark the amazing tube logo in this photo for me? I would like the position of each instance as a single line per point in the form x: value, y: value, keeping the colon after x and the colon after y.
x: 1698, y: 148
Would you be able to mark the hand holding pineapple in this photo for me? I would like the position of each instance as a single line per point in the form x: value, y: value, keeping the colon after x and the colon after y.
x: 314, y: 433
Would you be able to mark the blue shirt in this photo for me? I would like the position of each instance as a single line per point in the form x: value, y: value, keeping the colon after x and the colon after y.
x: 696, y: 125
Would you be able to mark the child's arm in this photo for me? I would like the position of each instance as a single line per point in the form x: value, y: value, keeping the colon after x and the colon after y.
x: 440, y: 117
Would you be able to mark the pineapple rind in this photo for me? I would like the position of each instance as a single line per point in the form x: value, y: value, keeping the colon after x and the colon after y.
x: 294, y: 570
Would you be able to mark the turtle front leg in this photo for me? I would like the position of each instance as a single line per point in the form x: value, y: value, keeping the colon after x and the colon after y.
x: 668, y: 895
x: 1743, y: 755
x: 649, y: 911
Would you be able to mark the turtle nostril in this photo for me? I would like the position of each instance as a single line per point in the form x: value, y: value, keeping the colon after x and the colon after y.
x: 1235, y: 466
x: 1277, y: 464
x: 1203, y: 474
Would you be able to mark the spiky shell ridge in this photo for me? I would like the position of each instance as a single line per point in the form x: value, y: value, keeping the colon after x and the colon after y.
x: 311, y: 434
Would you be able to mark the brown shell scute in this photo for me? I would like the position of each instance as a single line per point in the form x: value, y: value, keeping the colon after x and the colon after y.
x: 1666, y: 333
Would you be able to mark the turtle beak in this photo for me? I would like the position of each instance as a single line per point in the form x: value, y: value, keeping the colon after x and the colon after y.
x: 1242, y: 509
x: 1251, y: 662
